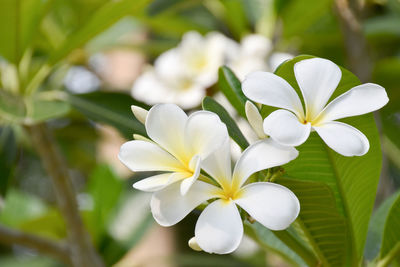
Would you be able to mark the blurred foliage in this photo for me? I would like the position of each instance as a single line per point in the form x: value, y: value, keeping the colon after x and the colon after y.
x: 41, y: 39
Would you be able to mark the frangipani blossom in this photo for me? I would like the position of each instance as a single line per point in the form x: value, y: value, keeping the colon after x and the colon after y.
x: 254, y: 54
x: 219, y: 228
x: 179, y: 89
x: 180, y: 144
x: 182, y: 74
x: 317, y: 79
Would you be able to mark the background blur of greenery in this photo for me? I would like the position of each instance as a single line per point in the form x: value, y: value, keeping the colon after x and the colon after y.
x: 41, y: 40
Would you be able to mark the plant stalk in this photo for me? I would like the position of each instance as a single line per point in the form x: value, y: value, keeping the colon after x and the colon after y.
x: 57, y: 250
x: 82, y: 252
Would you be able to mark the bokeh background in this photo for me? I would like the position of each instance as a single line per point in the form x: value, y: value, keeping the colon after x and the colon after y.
x: 79, y: 60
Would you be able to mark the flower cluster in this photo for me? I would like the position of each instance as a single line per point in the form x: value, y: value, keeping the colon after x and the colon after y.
x: 193, y: 153
x: 182, y: 74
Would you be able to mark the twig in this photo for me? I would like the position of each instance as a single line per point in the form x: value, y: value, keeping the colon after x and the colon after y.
x: 57, y: 250
x: 355, y: 43
x: 82, y: 252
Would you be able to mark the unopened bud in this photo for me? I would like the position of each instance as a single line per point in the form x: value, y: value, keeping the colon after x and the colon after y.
x: 140, y: 113
x: 193, y: 244
x: 255, y: 119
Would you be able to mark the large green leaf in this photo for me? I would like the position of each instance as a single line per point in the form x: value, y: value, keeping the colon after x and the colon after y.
x: 104, y: 17
x: 391, y: 234
x: 234, y: 131
x: 110, y: 108
x: 319, y: 220
x: 19, y: 20
x: 230, y: 86
x: 353, y: 180
x: 376, y: 227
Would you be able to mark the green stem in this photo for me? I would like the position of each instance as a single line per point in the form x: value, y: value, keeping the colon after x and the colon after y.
x: 390, y: 256
x: 284, y: 236
x: 82, y: 252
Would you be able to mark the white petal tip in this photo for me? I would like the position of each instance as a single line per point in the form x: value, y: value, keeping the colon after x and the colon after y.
x: 193, y: 244
x: 139, y: 113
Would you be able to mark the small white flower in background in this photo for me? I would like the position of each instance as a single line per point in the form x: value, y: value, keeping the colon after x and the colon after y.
x: 178, y: 89
x: 219, y: 228
x: 317, y: 79
x: 179, y: 146
x: 254, y: 54
x: 80, y: 80
x: 182, y: 74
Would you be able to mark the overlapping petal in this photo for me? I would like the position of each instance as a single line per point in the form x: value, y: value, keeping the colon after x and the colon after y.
x: 165, y: 124
x: 169, y: 206
x: 219, y: 228
x: 285, y: 128
x: 204, y: 133
x: 218, y: 164
x: 194, y: 165
x: 272, y: 205
x: 318, y: 79
x: 159, y: 181
x: 359, y: 100
x: 343, y: 138
x: 269, y: 89
x: 140, y: 155
x: 262, y: 155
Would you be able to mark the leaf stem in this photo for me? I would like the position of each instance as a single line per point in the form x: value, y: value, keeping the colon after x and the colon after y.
x: 55, y: 249
x: 82, y: 252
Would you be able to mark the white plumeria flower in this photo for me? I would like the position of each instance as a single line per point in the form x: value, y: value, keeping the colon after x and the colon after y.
x: 180, y: 144
x: 196, y: 56
x: 219, y: 228
x: 317, y: 79
x: 182, y: 90
x: 254, y: 54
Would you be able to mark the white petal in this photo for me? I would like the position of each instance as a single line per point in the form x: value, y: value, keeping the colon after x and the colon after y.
x: 343, y: 138
x: 272, y: 205
x: 140, y: 113
x: 190, y: 97
x: 269, y: 89
x: 262, y: 155
x: 219, y: 228
x: 158, y: 182
x: 255, y: 119
x: 277, y: 59
x: 165, y: 124
x: 317, y: 79
x: 285, y: 128
x: 169, y: 206
x: 218, y: 164
x: 150, y: 89
x: 140, y: 155
x: 359, y: 100
x: 204, y: 133
x: 195, y: 164
x: 193, y: 244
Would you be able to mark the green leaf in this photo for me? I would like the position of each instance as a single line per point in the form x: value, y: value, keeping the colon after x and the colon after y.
x: 319, y: 220
x: 110, y: 108
x: 266, y: 239
x: 376, y: 227
x: 391, y: 234
x: 235, y: 17
x: 104, y: 17
x: 42, y: 110
x: 353, y: 180
x: 231, y: 87
x: 12, y: 107
x: 105, y: 188
x: 19, y: 21
x: 234, y: 131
